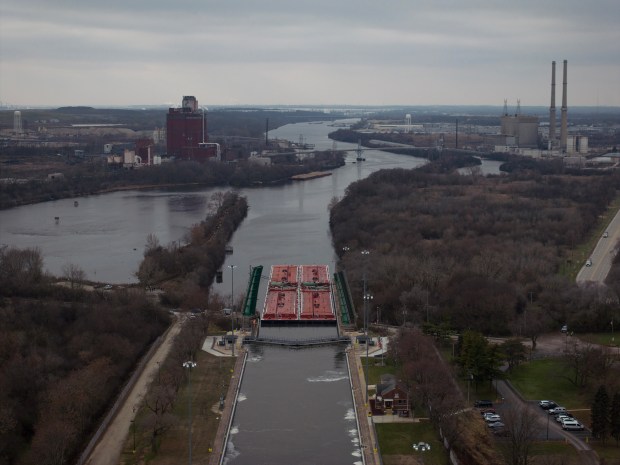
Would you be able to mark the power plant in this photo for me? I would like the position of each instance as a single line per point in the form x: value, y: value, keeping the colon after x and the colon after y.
x: 519, y: 133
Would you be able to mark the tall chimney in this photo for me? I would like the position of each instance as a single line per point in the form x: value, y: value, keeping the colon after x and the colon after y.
x: 552, y: 108
x: 564, y: 122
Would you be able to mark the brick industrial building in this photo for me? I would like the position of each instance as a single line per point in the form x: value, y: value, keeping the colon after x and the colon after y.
x: 186, y: 132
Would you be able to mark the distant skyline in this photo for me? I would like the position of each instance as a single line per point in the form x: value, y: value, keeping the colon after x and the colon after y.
x: 277, y: 52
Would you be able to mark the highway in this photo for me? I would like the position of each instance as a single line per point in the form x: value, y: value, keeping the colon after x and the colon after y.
x: 602, y: 255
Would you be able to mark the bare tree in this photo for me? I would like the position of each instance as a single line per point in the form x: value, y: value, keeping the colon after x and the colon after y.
x: 524, y: 428
x: 74, y: 274
x: 587, y: 363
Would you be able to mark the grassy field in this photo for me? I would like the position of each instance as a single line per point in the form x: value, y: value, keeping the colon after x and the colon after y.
x: 209, y: 379
x: 398, y: 438
x: 545, y: 379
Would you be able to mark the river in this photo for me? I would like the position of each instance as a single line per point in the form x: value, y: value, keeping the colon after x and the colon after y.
x: 295, y: 406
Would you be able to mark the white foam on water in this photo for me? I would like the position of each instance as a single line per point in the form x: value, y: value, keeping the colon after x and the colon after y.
x: 350, y: 415
x: 234, y: 430
x: 241, y: 397
x: 329, y: 377
x: 231, y: 452
x: 254, y: 358
x: 353, y: 433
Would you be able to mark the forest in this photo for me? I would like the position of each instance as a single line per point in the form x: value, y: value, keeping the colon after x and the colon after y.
x: 64, y: 355
x: 474, y: 252
x: 92, y: 178
x: 66, y: 350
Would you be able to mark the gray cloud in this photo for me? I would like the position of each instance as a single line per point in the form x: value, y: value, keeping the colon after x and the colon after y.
x: 278, y: 51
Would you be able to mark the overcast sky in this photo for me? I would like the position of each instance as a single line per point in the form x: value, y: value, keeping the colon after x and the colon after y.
x: 320, y: 52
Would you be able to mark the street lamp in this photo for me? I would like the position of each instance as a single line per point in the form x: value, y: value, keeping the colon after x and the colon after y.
x: 367, y: 298
x: 421, y: 447
x: 189, y: 365
x: 469, y: 378
x: 133, y: 427
x: 232, y: 309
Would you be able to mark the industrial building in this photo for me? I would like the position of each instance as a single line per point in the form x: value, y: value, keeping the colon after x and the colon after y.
x: 186, y: 133
x: 519, y: 130
x: 519, y: 134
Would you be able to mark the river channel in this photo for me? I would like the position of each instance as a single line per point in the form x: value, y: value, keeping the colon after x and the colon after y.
x: 105, y: 234
x: 295, y: 406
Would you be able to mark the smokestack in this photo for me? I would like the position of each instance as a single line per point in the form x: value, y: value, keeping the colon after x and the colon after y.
x: 564, y: 122
x: 552, y: 108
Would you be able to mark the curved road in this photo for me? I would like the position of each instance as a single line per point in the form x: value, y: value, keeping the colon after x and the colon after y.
x: 602, y: 255
x: 551, y: 428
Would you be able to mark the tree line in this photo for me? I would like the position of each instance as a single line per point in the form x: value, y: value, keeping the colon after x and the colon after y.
x: 64, y: 355
x: 481, y: 253
x: 190, y: 269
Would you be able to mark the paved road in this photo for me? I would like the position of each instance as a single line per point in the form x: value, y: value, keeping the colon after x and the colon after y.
x: 549, y: 427
x: 602, y: 255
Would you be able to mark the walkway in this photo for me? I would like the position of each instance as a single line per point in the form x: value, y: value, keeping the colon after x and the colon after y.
x: 110, y: 445
x: 231, y: 397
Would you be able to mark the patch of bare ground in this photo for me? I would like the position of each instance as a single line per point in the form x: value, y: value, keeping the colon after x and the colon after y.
x: 400, y: 460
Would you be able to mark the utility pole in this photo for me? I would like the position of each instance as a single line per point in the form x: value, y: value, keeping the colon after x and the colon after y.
x: 232, y: 309
x: 189, y: 365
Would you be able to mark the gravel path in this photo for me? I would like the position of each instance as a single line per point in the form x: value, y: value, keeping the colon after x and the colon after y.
x: 110, y: 446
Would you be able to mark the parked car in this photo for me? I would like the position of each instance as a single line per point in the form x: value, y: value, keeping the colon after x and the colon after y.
x: 589, y: 262
x: 547, y: 404
x: 492, y: 418
x: 561, y: 417
x: 556, y: 410
x: 483, y: 404
x: 564, y: 329
x: 572, y: 425
x: 487, y: 410
x: 605, y: 234
x: 500, y: 432
x: 496, y: 424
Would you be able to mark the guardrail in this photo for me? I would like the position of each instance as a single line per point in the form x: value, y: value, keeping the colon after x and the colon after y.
x: 297, y: 342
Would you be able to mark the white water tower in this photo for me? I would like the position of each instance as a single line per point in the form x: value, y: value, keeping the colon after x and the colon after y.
x: 408, y: 122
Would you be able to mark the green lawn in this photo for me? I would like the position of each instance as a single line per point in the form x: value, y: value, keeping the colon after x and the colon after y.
x: 398, y: 438
x: 548, y: 379
x: 375, y: 369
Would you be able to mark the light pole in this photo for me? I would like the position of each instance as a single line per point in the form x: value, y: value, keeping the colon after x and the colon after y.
x: 367, y: 298
x: 421, y: 447
x: 189, y: 365
x: 133, y: 427
x: 232, y: 309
